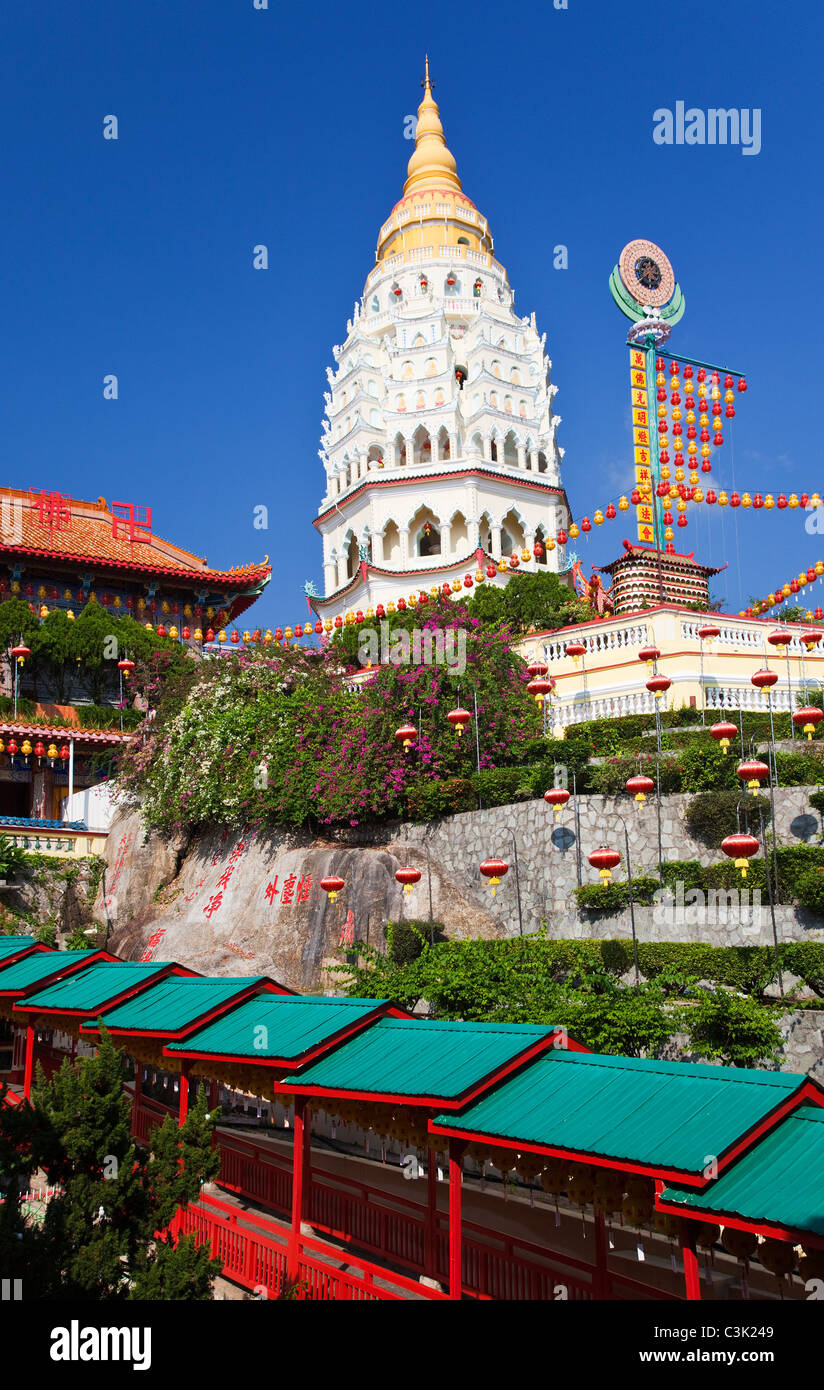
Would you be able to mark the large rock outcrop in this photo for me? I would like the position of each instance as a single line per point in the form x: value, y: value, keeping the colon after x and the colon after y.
x: 227, y: 903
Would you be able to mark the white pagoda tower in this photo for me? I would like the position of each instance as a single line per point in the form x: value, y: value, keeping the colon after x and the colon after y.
x: 439, y: 438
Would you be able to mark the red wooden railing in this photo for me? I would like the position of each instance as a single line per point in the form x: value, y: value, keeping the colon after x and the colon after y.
x: 494, y: 1265
x: 253, y: 1253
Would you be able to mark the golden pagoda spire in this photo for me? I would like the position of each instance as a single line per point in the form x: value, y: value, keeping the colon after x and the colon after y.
x: 432, y: 165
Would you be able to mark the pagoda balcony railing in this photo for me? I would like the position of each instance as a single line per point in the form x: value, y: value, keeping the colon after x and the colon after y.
x: 614, y: 639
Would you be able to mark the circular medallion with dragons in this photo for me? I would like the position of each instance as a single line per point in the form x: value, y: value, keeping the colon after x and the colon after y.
x: 646, y: 273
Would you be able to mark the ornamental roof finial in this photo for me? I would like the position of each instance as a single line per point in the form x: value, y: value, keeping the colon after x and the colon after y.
x: 432, y: 165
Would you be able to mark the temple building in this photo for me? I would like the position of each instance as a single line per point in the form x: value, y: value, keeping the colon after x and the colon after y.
x: 59, y: 552
x: 439, y: 439
x: 644, y: 577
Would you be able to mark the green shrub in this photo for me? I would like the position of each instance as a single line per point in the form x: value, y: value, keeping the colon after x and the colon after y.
x: 429, y: 799
x: 799, y: 769
x: 705, y: 767
x: 609, y: 898
x: 406, y: 940
x: 610, y: 778
x: 809, y: 888
x: 738, y: 1031
x: 711, y: 816
x: 817, y: 802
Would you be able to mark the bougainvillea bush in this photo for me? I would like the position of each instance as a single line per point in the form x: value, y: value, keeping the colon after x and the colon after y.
x: 280, y: 735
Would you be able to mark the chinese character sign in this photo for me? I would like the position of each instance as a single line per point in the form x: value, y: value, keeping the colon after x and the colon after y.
x: 644, y: 479
x: 52, y: 509
x: 133, y: 522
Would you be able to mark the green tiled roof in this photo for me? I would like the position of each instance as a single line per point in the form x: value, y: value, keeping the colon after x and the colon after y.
x: 660, y: 1114
x: 22, y: 973
x: 777, y: 1182
x: 293, y: 1024
x: 416, y: 1057
x: 91, y: 988
x: 15, y: 943
x: 173, y: 1003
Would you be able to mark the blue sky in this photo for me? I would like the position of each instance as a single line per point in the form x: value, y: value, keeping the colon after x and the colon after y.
x: 240, y: 126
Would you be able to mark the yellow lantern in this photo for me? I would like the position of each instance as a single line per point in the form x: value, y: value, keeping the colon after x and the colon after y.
x: 210, y: 612
x: 698, y: 495
x: 44, y: 612
x: 706, y: 450
x: 25, y: 748
x: 118, y: 601
x: 456, y: 586
x: 198, y: 635
x: 574, y: 533
x: 792, y: 500
x: 390, y: 607
x: 221, y: 636
x: 723, y: 499
x: 550, y: 544
x: 267, y: 637
x: 598, y: 518
x: 173, y: 631
x: 746, y: 500
x: 680, y: 505
x: 187, y: 610
x: 141, y: 604
x: 786, y: 591
x: 819, y: 567
x: 502, y: 566
x: 662, y: 413
x: 668, y: 533
x: 70, y: 615
x: 623, y: 504
x: 679, y: 475
x: 51, y: 751
x: 769, y: 501
x: 327, y: 624
x: 164, y: 607
x: 660, y: 380
x: 815, y: 500
x: 479, y: 577
x: 665, y: 471
x: 148, y: 628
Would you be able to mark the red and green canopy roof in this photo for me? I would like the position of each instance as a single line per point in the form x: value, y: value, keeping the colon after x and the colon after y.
x: 89, y: 991
x: 776, y: 1188
x: 175, y: 1004
x: 409, y: 1059
x: 284, y: 1029
x: 662, y: 1118
x: 35, y: 967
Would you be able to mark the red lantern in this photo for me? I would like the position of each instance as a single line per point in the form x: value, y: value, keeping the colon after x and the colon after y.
x: 278, y: 634
x: 610, y: 512
x: 640, y: 786
x: 561, y: 537
x: 539, y: 688
x: 459, y: 718
x: 406, y: 734
x: 298, y: 630
x: 494, y: 870
x: 780, y: 638
x: 708, y: 631
x: 380, y: 612
x: 11, y: 748
x: 21, y: 651
x: 635, y: 497
x: 126, y: 666
x: 64, y: 752
x: 319, y: 627
x: 586, y: 524
x: 210, y: 636
x: 710, y: 497
x: 807, y: 718
x: 763, y: 679
x: 339, y: 621
x: 185, y: 633
x: 741, y: 848
x: 40, y: 749
x: 538, y: 549
x: 723, y: 733
x: 575, y: 649
x: 401, y: 605
x: 332, y: 885
x: 161, y: 631
x: 658, y: 686
x: 537, y: 668
x: 468, y: 581
x: 557, y: 798
x: 742, y: 385
x: 649, y: 654
x: 781, y: 501
x: 812, y: 636
x: 408, y: 877
x: 753, y: 772
x: 234, y: 635
x: 604, y: 860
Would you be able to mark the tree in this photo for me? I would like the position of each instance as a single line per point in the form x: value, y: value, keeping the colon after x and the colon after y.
x: 737, y: 1030
x: 98, y: 1239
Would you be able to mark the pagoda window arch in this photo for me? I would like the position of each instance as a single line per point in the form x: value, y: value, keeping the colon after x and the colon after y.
x: 522, y: 409
x: 391, y: 543
x: 463, y: 240
x: 485, y: 525
x: 420, y: 401
x: 496, y: 369
x: 493, y: 400
x: 426, y: 532
x: 372, y: 387
x: 510, y: 450
x: 453, y: 289
x: 512, y: 533
x: 407, y: 371
x: 400, y: 450
x: 540, y: 539
x: 444, y: 446
x: 376, y: 304
x: 439, y: 396
x: 352, y: 550
x: 508, y: 404
x: 422, y: 445
x: 375, y: 454
x: 476, y: 402
x: 431, y: 368
x: 419, y: 341
x: 477, y: 444
x: 515, y: 377
x: 374, y: 417
x: 459, y: 533
x: 493, y: 449
x: 400, y: 403
x: 542, y: 463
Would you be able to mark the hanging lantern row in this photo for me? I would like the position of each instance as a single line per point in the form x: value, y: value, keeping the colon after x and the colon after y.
x: 793, y: 586
x: 40, y: 750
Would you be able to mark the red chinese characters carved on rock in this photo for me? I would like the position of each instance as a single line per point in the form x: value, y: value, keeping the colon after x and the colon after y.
x: 134, y: 521
x: 53, y: 510
x: 347, y: 931
x: 294, y: 889
x: 153, y: 943
x: 216, y: 899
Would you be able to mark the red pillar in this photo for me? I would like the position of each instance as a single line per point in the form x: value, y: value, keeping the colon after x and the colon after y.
x: 29, y: 1062
x: 185, y: 1068
x: 692, y: 1281
x: 600, y: 1285
x: 301, y: 1134
x: 430, y: 1229
x: 456, y: 1153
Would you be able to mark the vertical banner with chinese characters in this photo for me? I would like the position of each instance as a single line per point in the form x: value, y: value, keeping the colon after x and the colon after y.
x: 643, y: 423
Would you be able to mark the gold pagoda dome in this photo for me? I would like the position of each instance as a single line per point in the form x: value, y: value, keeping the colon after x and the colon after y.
x: 432, y: 165
x: 434, y: 212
